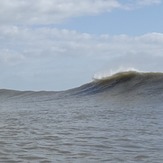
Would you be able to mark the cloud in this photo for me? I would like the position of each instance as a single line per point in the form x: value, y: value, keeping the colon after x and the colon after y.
x: 20, y: 44
x: 50, y: 11
x: 29, y: 12
x: 32, y: 52
x: 42, y: 56
x: 59, y: 41
x: 10, y: 57
x: 136, y: 4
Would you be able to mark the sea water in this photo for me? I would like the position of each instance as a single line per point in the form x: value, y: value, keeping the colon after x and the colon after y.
x: 119, y: 119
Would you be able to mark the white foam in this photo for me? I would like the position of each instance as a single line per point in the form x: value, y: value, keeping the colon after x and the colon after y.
x: 105, y: 74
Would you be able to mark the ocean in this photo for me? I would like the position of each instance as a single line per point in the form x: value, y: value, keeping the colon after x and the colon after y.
x: 114, y: 119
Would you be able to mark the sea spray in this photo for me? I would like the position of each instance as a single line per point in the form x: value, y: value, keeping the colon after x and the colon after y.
x: 107, y: 73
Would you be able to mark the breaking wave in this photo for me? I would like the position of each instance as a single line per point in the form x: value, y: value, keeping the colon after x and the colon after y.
x: 140, y: 83
x: 122, y: 82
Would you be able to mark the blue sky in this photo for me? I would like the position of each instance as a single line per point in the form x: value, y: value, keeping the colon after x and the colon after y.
x: 146, y: 19
x: 61, y: 44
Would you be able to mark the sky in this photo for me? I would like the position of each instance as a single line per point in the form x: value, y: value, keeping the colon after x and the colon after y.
x: 61, y: 44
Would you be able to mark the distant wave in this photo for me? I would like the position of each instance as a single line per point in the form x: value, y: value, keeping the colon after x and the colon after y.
x: 125, y: 82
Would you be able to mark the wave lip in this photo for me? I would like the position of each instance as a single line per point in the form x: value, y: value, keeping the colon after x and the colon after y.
x: 125, y: 74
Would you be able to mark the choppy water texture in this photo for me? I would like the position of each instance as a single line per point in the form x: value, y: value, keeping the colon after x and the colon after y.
x: 115, y: 119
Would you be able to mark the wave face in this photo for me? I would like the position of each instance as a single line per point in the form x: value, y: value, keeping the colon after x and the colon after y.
x: 125, y: 82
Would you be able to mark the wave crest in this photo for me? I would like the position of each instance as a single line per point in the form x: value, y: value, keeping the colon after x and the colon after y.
x: 107, y: 74
x: 128, y: 81
x: 117, y: 76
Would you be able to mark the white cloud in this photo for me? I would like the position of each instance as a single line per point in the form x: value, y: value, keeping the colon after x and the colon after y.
x: 47, y: 55
x: 34, y: 42
x: 45, y: 43
x: 21, y: 12
x: 42, y: 54
x: 50, y: 11
x: 136, y: 4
